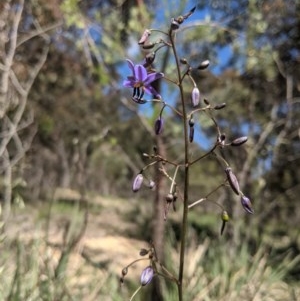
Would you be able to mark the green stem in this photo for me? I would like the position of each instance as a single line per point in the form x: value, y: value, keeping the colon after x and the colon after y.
x: 186, y: 174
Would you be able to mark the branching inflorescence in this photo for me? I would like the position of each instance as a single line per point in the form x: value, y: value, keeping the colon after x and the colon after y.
x: 140, y: 81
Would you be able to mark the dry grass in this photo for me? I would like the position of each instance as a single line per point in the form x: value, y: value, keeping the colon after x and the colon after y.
x: 31, y: 256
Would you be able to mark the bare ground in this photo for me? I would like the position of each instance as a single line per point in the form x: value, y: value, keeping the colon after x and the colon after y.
x: 102, y: 249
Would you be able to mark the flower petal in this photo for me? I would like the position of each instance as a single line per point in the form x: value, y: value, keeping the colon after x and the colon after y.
x: 152, y: 77
x: 130, y: 65
x: 128, y: 83
x: 150, y: 90
x: 140, y: 73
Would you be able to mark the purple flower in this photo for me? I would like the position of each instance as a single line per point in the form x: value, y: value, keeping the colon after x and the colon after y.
x: 140, y: 81
x: 147, y: 275
x: 246, y: 203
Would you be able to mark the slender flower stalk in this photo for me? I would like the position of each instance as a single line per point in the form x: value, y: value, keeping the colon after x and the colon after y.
x: 186, y: 171
x: 141, y: 81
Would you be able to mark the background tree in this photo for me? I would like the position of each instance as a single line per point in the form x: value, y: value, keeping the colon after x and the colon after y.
x: 19, y: 69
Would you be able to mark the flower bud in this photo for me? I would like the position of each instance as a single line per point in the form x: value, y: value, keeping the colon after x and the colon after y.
x: 220, y: 106
x: 143, y: 252
x: 137, y: 183
x: 174, y: 24
x: 246, y: 203
x: 191, y: 134
x: 225, y: 219
x: 158, y: 126
x: 189, y: 13
x: 151, y: 184
x: 191, y: 122
x: 234, y: 184
x: 144, y: 36
x: 203, y: 65
x: 147, y: 275
x: 149, y: 59
x: 206, y: 101
x: 170, y: 198
x: 225, y: 216
x: 148, y: 46
x: 239, y: 141
x: 195, y: 97
x: 183, y: 61
x: 124, y: 271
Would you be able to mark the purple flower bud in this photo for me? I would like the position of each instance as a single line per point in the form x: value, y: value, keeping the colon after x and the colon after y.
x: 246, y: 203
x: 147, y: 275
x: 232, y: 180
x: 144, y: 36
x: 239, y: 141
x: 158, y: 126
x: 137, y: 183
x: 195, y: 97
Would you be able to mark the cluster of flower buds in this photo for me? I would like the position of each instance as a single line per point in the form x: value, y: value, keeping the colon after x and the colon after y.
x: 234, y: 184
x: 147, y: 273
x: 138, y: 182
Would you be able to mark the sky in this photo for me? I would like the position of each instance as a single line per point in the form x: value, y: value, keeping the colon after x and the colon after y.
x: 224, y: 55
